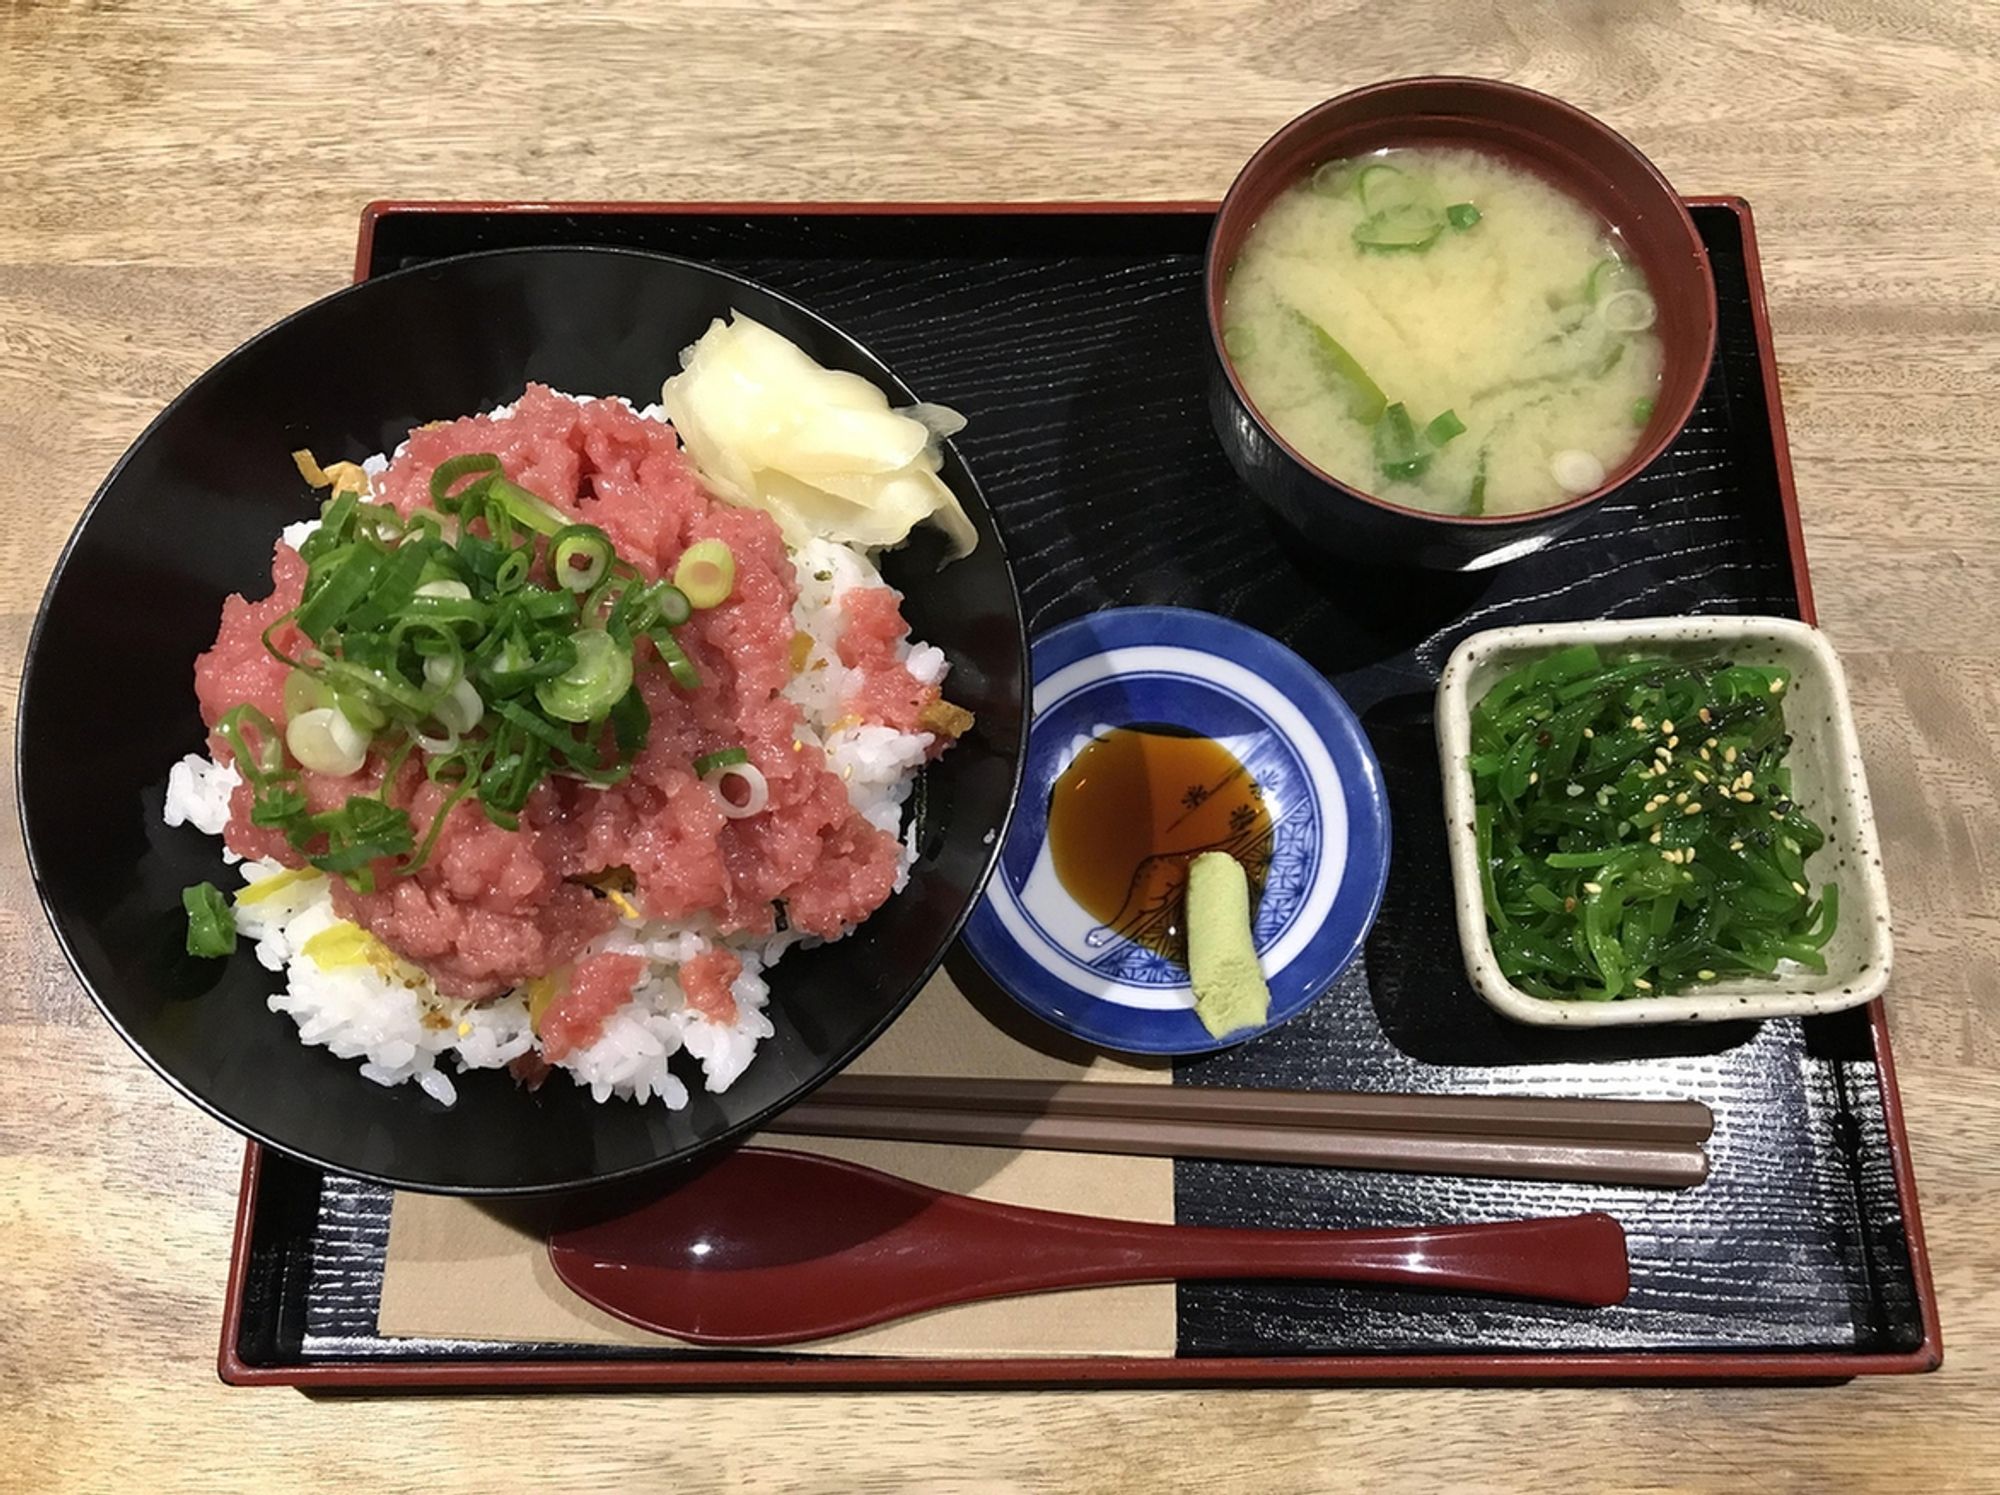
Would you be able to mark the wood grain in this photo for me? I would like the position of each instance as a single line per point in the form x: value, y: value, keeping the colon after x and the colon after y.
x: 176, y: 174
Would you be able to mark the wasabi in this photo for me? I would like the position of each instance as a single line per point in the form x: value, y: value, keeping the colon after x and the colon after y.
x: 1229, y: 990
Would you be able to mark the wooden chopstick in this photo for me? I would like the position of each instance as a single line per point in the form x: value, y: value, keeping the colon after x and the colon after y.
x: 1589, y: 1120
x: 1655, y: 1143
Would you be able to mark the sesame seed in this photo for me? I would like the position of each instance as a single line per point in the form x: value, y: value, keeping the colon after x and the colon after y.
x: 1777, y: 686
x: 1687, y: 855
x: 1799, y: 888
x: 1735, y: 845
x: 1654, y: 838
x: 1665, y: 755
x: 1777, y: 815
x: 1588, y: 734
x: 1744, y: 796
x: 1666, y: 727
x: 1711, y: 742
x: 1638, y: 724
x: 1534, y: 778
x: 1692, y: 810
x: 1593, y: 887
x: 1681, y: 798
x: 1704, y: 755
x: 1642, y: 983
x: 1700, y: 777
x: 1574, y: 791
x: 1703, y: 714
x: 1729, y: 755
x: 1705, y: 975
x: 1673, y: 742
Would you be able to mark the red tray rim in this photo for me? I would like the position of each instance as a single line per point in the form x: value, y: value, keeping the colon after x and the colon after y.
x: 1622, y: 1367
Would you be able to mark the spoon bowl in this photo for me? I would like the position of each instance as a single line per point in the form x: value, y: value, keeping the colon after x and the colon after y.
x: 769, y: 1247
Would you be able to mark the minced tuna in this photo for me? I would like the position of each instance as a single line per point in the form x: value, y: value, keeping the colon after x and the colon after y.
x: 492, y: 908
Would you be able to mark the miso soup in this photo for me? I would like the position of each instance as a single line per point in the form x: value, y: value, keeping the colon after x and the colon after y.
x: 1444, y: 330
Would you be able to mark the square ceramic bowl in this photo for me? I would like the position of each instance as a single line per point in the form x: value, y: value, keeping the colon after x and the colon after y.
x: 1827, y: 779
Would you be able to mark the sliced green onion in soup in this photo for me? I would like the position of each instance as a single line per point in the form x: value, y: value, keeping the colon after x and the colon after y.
x: 1381, y: 185
x: 1239, y: 343
x: 1333, y: 178
x: 1461, y: 215
x: 1365, y: 400
x: 1475, y: 501
x: 1576, y: 471
x: 1407, y: 227
x: 1627, y: 310
x: 1444, y: 428
x: 1397, y: 451
x: 1609, y: 276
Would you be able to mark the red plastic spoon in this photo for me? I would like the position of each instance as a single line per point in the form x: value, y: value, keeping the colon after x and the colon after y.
x: 772, y: 1247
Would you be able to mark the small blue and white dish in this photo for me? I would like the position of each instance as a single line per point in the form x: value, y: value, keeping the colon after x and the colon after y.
x: 1310, y: 763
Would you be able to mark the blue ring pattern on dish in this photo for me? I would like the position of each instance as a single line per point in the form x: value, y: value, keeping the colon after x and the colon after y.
x: 1330, y: 854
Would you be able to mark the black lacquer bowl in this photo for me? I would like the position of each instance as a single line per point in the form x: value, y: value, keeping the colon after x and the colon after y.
x: 189, y: 515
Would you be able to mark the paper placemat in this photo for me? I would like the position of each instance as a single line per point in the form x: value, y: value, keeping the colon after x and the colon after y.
x: 460, y: 1270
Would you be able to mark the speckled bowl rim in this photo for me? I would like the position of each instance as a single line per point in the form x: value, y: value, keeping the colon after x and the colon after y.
x: 1864, y: 893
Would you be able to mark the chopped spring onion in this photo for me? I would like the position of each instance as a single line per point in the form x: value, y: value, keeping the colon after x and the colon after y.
x: 591, y: 686
x: 1407, y: 226
x: 720, y: 758
x: 1656, y: 877
x: 1627, y: 310
x: 706, y: 573
x: 1239, y: 343
x: 325, y: 741
x: 678, y: 664
x: 1365, y: 400
x: 433, y: 635
x: 580, y: 555
x: 756, y: 789
x: 1475, y: 501
x: 1609, y: 276
x: 1461, y: 215
x: 1396, y: 450
x: 1642, y: 410
x: 1382, y: 186
x: 1443, y: 428
x: 211, y: 927
x: 1333, y: 178
x: 305, y: 692
x: 1576, y: 471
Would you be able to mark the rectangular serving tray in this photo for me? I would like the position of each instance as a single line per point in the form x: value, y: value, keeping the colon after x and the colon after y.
x: 1069, y: 333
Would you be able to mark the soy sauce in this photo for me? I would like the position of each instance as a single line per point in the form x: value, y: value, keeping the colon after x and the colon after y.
x: 1133, y: 809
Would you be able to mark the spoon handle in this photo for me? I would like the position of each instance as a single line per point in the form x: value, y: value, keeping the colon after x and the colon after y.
x: 1570, y: 1259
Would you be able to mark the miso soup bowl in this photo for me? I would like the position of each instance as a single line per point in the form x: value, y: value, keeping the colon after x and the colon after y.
x: 1588, y: 160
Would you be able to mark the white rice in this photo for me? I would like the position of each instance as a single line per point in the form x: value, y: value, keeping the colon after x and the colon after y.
x: 358, y: 1001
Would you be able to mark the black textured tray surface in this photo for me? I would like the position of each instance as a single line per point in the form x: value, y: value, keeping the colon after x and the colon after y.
x: 1070, y: 340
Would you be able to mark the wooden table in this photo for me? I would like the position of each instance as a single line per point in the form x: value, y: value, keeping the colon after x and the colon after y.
x: 177, y: 174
